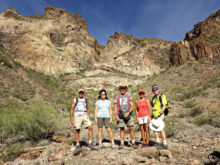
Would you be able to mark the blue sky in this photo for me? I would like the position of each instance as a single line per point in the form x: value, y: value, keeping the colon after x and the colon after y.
x: 164, y: 19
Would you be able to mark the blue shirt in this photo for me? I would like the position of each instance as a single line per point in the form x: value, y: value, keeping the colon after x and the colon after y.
x: 103, y: 108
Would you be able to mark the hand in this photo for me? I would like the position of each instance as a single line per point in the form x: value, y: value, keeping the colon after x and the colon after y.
x: 96, y: 121
x: 110, y: 121
x: 149, y: 119
x: 117, y: 118
x: 126, y: 114
x: 137, y: 121
x: 71, y: 121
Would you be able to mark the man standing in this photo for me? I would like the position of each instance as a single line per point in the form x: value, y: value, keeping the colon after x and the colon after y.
x: 80, y: 109
x: 124, y: 114
x: 159, y: 103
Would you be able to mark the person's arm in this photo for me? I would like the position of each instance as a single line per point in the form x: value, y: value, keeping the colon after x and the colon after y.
x: 164, y: 103
x: 149, y: 107
x: 96, y: 112
x: 72, y: 111
x: 137, y: 114
x: 87, y: 106
x: 110, y: 112
x: 116, y: 113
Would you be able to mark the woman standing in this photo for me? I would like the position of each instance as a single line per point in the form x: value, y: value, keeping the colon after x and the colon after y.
x: 143, y: 116
x: 103, y: 116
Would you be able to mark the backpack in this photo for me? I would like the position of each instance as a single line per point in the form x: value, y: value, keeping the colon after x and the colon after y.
x: 166, y: 111
x: 77, y: 100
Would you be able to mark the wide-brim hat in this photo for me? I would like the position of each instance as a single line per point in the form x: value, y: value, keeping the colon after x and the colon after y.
x: 157, y: 125
x: 123, y: 86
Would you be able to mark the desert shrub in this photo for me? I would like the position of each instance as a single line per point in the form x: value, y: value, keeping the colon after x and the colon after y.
x: 190, y: 104
x: 12, y: 152
x: 214, y: 80
x: 170, y: 126
x: 33, y: 124
x: 195, y: 111
x: 177, y: 89
x: 182, y: 114
x: 202, y: 119
x: 114, y: 125
x: 20, y: 96
x: 216, y: 122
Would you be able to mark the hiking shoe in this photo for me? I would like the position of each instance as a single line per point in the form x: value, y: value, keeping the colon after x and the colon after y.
x: 134, y: 146
x: 113, y: 146
x: 165, y: 146
x: 143, y: 146
x: 77, y: 146
x: 121, y: 146
x: 91, y: 147
x: 158, y: 146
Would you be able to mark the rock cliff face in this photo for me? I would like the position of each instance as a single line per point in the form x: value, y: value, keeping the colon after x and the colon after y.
x: 54, y: 43
x: 58, y: 43
x: 201, y: 43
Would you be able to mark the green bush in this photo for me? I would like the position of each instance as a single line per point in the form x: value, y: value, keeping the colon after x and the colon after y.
x: 177, y: 89
x: 190, y: 104
x: 33, y: 124
x: 12, y: 152
x: 195, y: 111
x: 170, y: 126
x: 202, y: 119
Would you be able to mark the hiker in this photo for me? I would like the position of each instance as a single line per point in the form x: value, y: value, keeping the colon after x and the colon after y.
x: 103, y: 116
x: 80, y: 109
x: 159, y: 103
x: 124, y: 114
x: 143, y: 116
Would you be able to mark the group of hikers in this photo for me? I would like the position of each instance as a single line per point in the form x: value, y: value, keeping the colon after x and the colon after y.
x: 148, y: 114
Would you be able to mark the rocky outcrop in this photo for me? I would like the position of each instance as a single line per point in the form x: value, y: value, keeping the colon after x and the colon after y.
x: 201, y: 43
x: 54, y: 43
x: 57, y: 42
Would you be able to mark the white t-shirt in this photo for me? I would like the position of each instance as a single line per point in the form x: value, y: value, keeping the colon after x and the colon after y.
x: 80, y: 108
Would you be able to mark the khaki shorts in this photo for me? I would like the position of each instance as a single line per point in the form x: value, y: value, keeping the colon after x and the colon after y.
x: 80, y: 121
x: 103, y: 122
x: 122, y: 123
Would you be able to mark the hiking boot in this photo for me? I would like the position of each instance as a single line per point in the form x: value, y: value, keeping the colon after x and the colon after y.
x: 134, y: 146
x: 158, y: 146
x: 121, y: 146
x: 91, y: 147
x: 113, y: 146
x: 143, y: 146
x: 165, y: 146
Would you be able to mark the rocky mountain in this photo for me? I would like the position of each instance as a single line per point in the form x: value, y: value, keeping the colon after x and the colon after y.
x: 58, y: 43
x: 46, y: 59
x: 201, y: 43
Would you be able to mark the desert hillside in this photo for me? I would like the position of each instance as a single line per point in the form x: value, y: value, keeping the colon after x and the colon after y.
x: 46, y: 59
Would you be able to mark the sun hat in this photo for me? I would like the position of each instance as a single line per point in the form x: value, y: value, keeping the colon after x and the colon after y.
x: 141, y: 91
x: 123, y: 86
x: 157, y: 125
x: 155, y: 88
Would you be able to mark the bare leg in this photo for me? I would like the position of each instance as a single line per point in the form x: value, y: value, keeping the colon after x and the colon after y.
x: 142, y: 133
x: 122, y: 134
x: 163, y: 135
x: 131, y: 132
x: 110, y: 133
x: 90, y: 132
x: 156, y: 135
x: 100, y: 133
x: 77, y: 136
x: 147, y: 133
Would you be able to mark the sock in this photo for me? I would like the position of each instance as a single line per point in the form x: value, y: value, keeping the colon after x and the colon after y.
x: 77, y: 144
x: 112, y: 141
x: 100, y: 142
x: 90, y: 141
x: 158, y: 140
x: 132, y: 141
x: 165, y: 142
x: 122, y: 142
